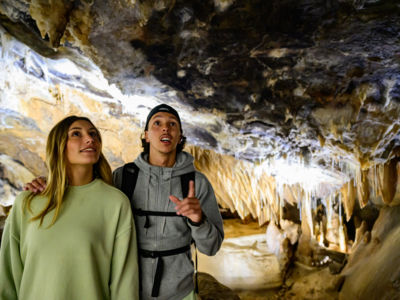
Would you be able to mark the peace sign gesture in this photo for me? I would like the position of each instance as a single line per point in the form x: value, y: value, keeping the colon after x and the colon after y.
x: 190, y: 206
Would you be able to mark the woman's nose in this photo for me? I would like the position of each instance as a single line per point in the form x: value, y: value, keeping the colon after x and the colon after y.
x: 89, y: 139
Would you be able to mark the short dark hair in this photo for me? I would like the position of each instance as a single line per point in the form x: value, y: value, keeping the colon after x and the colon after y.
x: 163, y: 108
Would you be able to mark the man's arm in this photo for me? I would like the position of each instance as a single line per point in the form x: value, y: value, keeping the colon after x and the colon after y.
x: 210, y: 233
x: 117, y: 177
x: 37, y: 185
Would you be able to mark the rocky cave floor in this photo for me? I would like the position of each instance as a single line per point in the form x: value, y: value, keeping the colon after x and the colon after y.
x: 302, y: 281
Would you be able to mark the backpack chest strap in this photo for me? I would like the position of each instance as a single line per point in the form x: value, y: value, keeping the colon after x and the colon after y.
x: 140, y: 212
x: 147, y: 213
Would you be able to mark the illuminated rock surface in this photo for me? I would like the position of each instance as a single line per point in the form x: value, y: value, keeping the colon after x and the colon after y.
x: 244, y: 263
x: 373, y: 269
x: 291, y: 109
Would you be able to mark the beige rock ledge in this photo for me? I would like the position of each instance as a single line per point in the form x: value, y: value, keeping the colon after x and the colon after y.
x: 243, y: 263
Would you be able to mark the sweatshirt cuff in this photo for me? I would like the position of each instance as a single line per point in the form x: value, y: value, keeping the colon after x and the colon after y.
x: 197, y: 224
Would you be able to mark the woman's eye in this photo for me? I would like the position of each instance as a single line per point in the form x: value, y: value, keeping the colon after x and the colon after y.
x: 172, y: 124
x: 93, y: 134
x: 75, y: 133
x: 157, y: 123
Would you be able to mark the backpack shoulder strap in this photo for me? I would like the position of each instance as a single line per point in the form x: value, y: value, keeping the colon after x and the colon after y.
x: 130, y: 174
x: 185, y: 178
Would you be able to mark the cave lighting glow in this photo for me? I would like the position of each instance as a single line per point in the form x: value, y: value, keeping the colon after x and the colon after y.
x: 294, y: 171
x: 36, y: 74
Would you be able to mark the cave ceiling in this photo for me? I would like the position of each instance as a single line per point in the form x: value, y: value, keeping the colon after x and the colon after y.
x: 309, y: 79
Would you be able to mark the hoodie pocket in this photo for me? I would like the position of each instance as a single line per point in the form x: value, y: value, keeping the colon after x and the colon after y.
x: 175, y: 227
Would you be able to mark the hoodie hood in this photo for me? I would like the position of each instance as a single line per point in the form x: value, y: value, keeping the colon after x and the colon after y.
x: 183, y: 165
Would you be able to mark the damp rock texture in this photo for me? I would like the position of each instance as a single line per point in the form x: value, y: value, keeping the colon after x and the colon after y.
x: 289, y: 78
x: 372, y: 271
x: 312, y: 83
x: 291, y: 109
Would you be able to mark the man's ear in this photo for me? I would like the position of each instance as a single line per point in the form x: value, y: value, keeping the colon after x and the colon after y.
x: 145, y: 136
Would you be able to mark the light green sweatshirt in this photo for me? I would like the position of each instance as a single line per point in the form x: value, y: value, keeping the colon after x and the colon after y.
x: 88, y: 254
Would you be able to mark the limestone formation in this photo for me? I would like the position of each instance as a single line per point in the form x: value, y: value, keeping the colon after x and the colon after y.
x: 244, y: 263
x: 372, y: 271
x: 291, y: 109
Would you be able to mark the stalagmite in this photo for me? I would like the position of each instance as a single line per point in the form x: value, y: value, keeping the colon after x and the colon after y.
x: 360, y: 232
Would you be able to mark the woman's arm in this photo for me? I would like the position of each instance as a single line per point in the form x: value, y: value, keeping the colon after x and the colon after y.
x: 11, y: 266
x: 124, y: 282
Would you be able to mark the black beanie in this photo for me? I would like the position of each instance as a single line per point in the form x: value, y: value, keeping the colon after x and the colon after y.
x: 162, y: 108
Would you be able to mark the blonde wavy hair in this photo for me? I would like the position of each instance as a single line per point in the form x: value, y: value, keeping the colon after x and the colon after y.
x: 57, y: 180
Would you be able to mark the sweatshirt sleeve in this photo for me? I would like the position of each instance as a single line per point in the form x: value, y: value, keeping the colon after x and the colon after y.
x: 117, y: 177
x: 124, y: 282
x: 11, y: 266
x: 210, y: 234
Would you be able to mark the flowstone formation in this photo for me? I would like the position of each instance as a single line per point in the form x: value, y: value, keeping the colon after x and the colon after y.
x: 291, y: 108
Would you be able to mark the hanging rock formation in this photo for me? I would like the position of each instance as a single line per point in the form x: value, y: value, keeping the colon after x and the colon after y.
x: 291, y: 108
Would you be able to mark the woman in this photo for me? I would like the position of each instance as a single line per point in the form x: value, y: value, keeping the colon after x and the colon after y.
x: 75, y: 240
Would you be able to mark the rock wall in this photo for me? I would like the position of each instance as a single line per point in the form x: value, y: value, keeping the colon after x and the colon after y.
x: 373, y: 271
x: 291, y: 107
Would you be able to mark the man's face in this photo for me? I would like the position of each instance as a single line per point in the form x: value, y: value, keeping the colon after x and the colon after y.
x: 164, y: 133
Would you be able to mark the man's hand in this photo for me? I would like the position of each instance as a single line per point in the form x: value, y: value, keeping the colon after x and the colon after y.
x: 190, y: 206
x: 36, y: 186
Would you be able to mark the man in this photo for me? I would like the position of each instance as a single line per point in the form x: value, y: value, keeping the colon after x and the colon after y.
x: 167, y: 220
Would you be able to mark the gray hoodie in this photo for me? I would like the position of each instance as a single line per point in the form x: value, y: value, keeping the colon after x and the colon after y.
x: 153, y: 188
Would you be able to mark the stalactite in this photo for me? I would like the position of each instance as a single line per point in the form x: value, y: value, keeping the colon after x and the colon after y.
x: 241, y: 188
x: 237, y: 186
x: 51, y: 18
x: 387, y: 181
x: 363, y: 188
x: 348, y: 192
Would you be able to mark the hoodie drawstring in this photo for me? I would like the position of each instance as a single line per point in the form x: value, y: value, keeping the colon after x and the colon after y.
x: 164, y: 221
x: 146, y: 203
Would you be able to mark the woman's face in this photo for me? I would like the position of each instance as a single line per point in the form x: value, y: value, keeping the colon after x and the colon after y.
x: 83, y: 144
